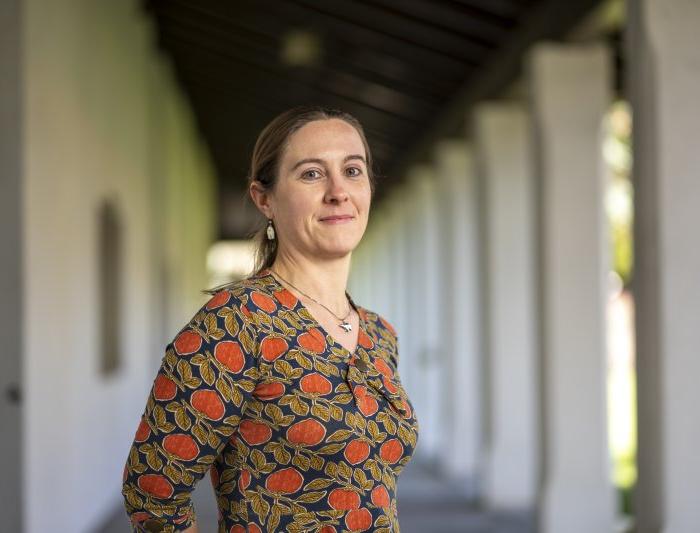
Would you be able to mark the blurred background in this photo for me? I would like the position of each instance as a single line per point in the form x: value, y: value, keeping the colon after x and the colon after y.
x: 534, y: 239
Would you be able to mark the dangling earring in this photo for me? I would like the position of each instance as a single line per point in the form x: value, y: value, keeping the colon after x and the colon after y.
x: 270, y: 230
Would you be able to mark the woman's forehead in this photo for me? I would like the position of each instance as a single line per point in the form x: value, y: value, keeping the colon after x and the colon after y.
x: 319, y: 140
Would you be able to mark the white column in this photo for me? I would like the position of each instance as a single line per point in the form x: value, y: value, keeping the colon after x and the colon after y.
x: 402, y: 293
x: 370, y: 266
x: 570, y: 91
x: 408, y: 320
x: 664, y: 67
x: 502, y: 134
x: 395, y: 275
x: 385, y: 275
x: 423, y: 306
x: 382, y: 251
x: 460, y: 313
x: 360, y: 279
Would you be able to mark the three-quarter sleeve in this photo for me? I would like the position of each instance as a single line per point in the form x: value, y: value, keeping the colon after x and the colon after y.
x: 197, y: 400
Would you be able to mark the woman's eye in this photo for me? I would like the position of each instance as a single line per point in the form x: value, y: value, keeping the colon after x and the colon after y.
x: 308, y: 173
x: 357, y: 171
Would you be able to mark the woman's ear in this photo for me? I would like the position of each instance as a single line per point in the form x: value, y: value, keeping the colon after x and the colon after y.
x: 260, y: 197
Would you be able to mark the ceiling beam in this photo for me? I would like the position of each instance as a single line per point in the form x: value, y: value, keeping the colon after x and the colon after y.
x: 548, y: 19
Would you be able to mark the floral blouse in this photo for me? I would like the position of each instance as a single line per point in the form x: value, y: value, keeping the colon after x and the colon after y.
x: 297, y: 433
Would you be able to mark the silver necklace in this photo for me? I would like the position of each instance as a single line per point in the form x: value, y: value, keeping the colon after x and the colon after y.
x: 343, y: 321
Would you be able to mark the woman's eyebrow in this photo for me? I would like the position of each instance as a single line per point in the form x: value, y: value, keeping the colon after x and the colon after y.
x: 321, y: 161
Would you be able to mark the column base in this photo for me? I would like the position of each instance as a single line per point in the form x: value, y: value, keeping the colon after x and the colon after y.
x: 580, y: 509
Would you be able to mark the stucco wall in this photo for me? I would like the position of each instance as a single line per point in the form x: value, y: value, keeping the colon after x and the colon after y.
x: 103, y: 119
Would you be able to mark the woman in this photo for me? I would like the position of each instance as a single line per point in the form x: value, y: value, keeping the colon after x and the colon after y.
x: 280, y: 386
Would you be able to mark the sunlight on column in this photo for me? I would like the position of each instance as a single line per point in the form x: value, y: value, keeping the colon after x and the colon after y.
x: 621, y: 378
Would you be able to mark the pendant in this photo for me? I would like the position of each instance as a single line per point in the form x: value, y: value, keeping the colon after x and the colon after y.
x: 347, y: 327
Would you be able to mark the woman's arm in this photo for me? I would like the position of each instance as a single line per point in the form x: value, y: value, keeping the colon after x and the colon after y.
x: 207, y: 375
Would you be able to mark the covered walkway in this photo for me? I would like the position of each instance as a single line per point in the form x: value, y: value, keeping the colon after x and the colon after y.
x: 534, y: 240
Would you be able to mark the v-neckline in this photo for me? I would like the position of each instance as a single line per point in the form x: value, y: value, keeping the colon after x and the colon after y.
x: 313, y: 323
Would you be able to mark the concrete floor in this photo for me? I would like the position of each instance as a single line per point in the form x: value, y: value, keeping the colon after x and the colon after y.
x: 425, y: 505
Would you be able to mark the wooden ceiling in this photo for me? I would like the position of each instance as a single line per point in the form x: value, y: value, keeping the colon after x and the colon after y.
x: 407, y: 69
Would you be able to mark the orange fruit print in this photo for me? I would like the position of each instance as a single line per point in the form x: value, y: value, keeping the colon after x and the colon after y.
x: 254, y: 432
x: 306, y: 432
x: 313, y: 340
x: 367, y: 405
x: 356, y: 451
x: 164, y: 388
x: 156, y: 485
x: 380, y: 496
x: 286, y: 298
x: 188, y: 342
x: 391, y: 451
x: 229, y: 354
x: 273, y: 347
x: 284, y: 481
x: 315, y: 383
x: 382, y: 367
x: 389, y: 385
x: 269, y: 391
x: 208, y: 402
x: 244, y: 480
x: 344, y: 499
x: 264, y: 302
x: 218, y: 300
x: 358, y: 519
x: 182, y: 446
x: 364, y: 340
x: 143, y: 431
x: 254, y: 391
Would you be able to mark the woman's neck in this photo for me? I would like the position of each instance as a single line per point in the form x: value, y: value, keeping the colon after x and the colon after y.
x: 325, y: 283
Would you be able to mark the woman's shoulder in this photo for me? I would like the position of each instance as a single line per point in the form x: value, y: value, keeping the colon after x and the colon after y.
x: 256, y: 298
x: 379, y: 320
x: 382, y: 331
x: 240, y: 290
x: 379, y: 327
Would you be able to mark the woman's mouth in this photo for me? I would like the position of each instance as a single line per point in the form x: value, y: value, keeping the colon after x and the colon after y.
x: 337, y: 220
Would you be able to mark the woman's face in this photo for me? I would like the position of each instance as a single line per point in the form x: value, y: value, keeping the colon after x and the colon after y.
x: 322, y: 173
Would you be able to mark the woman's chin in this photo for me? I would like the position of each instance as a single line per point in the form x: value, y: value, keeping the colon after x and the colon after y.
x: 335, y: 252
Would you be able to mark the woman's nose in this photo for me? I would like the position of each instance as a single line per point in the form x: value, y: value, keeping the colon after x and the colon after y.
x: 336, y: 187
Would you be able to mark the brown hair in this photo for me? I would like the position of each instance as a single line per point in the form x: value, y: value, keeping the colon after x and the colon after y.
x: 265, y: 161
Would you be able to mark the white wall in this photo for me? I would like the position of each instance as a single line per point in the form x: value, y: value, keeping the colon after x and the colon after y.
x: 11, y: 305
x: 103, y: 118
